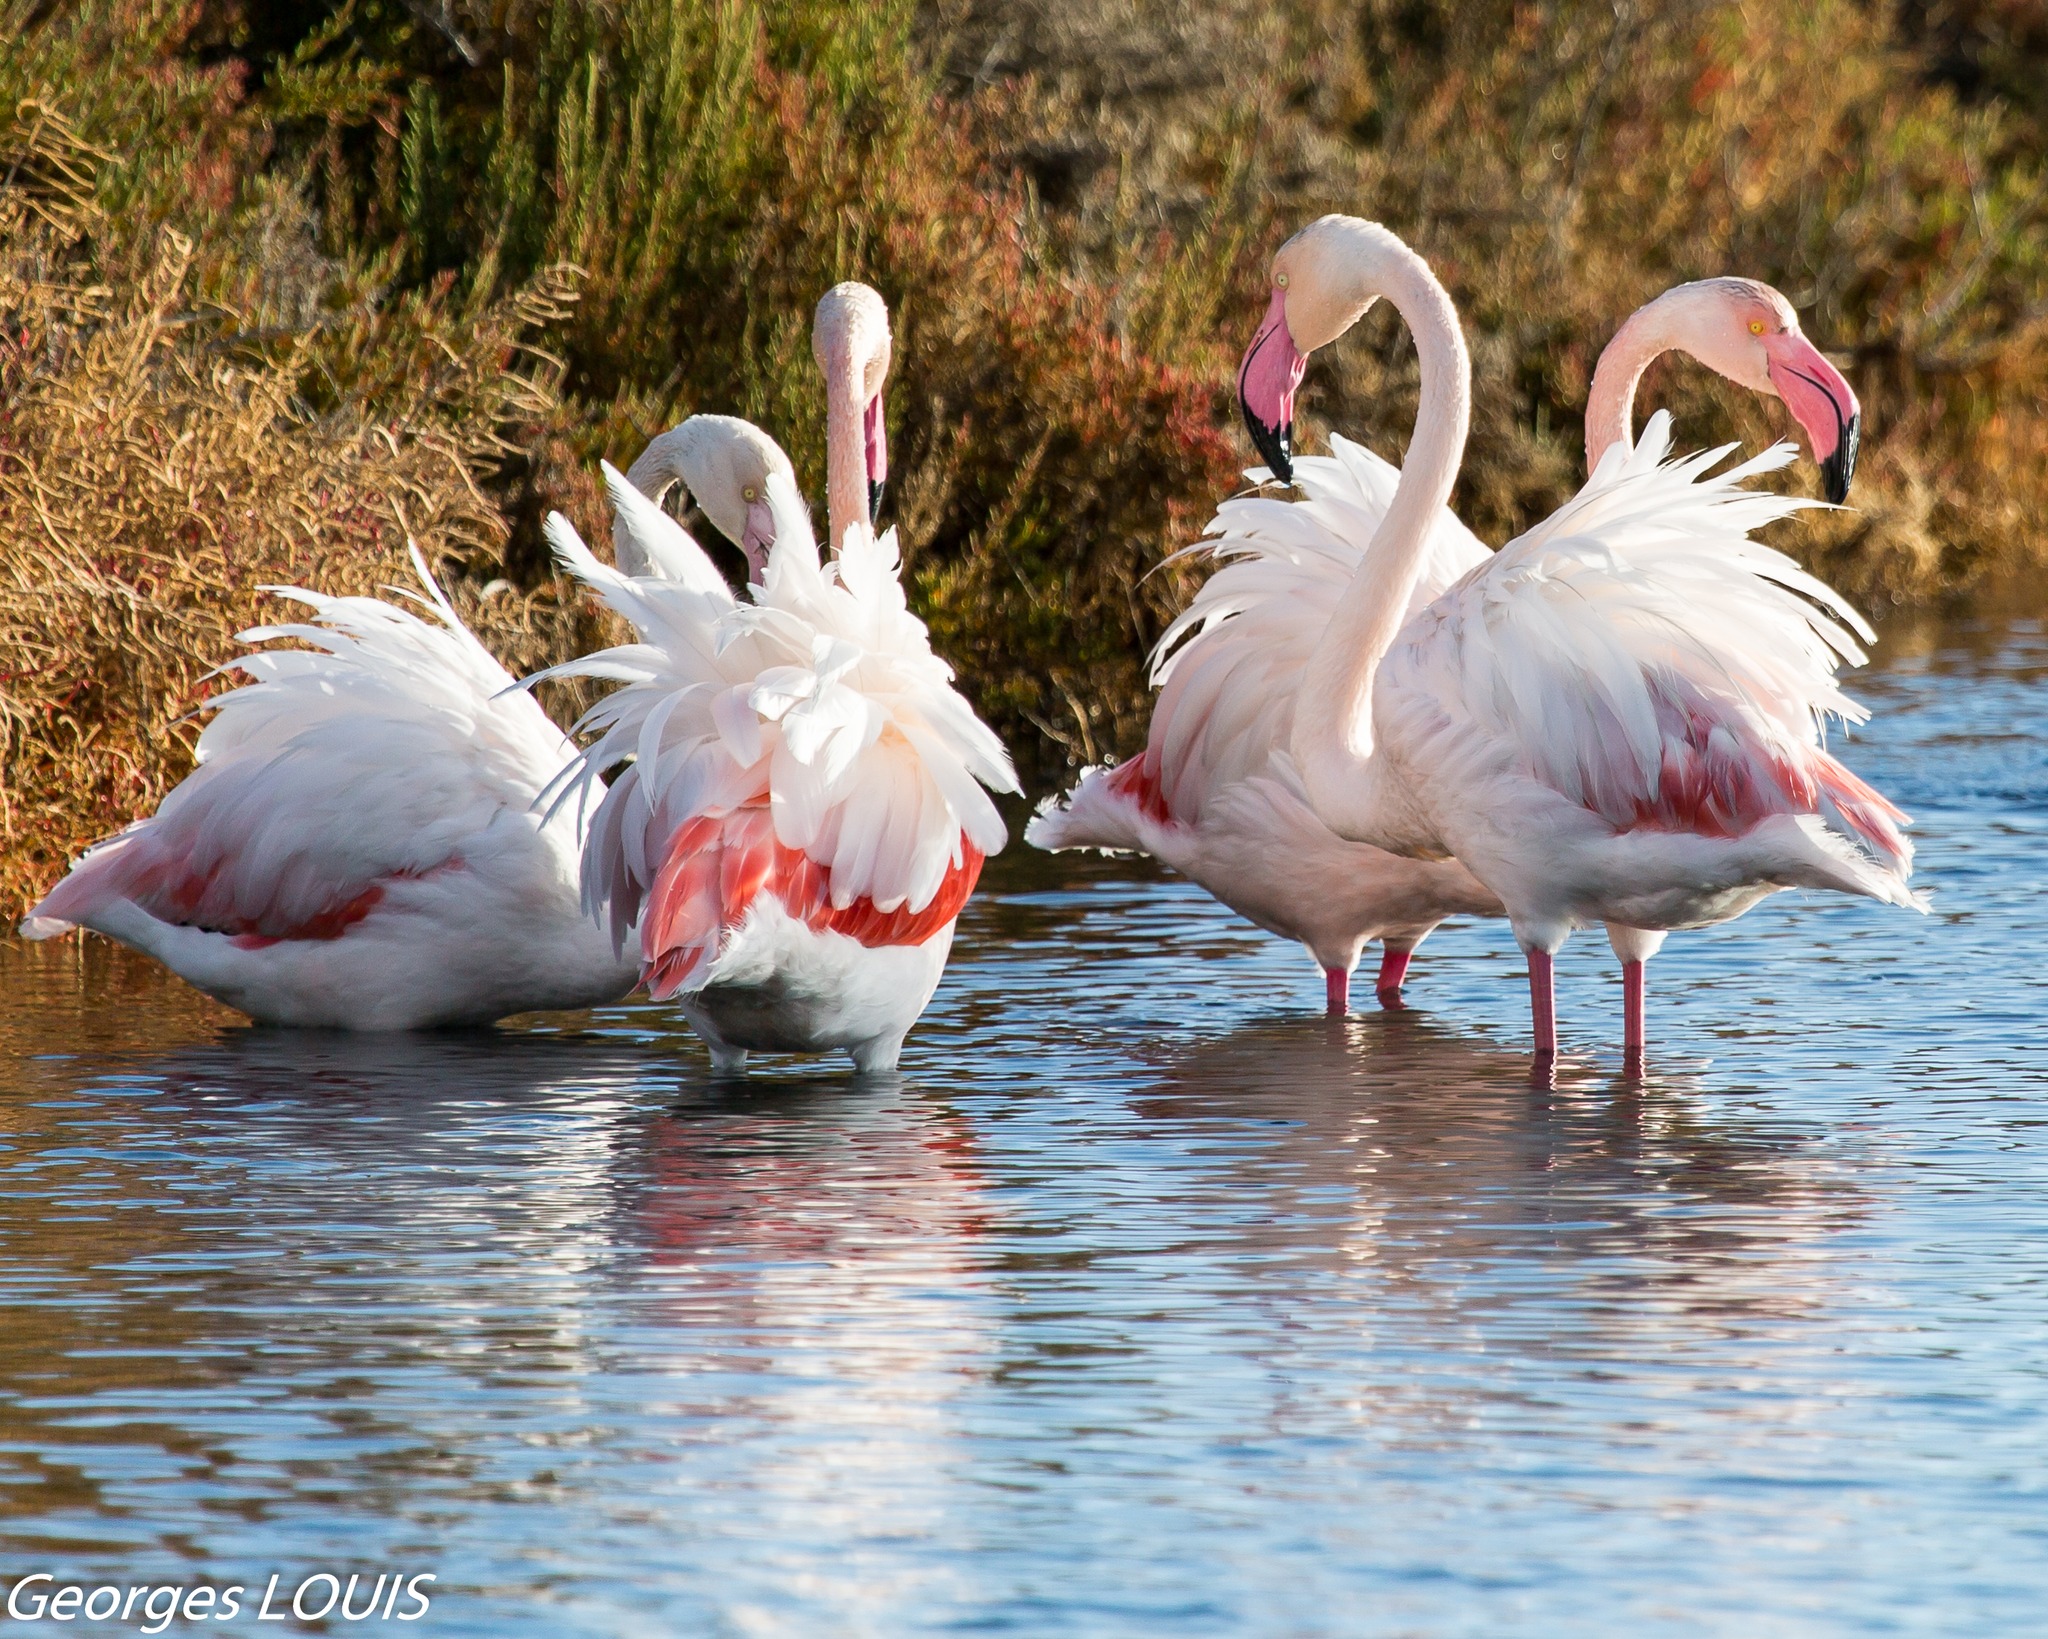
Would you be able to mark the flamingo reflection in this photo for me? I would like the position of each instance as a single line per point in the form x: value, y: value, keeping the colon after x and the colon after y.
x: 1428, y: 1164
x: 813, y: 1254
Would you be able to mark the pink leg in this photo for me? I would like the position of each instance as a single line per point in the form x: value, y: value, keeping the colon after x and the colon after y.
x: 1542, y: 1004
x: 1393, y: 971
x: 1632, y: 1038
x: 1337, y: 992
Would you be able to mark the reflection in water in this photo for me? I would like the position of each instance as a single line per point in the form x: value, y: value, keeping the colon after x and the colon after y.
x: 1145, y: 1302
x: 196, y: 1237
x: 812, y: 1260
x: 1424, y: 1165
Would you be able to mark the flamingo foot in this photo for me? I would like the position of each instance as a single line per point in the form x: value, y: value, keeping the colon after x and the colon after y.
x: 1393, y: 973
x: 1542, y: 1003
x: 1336, y: 992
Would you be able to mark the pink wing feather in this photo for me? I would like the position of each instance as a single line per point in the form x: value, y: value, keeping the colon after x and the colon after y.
x: 1653, y: 663
x: 718, y: 865
x: 806, y: 745
x: 376, y: 757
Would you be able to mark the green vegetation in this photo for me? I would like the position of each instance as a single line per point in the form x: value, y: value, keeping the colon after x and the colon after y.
x: 1561, y: 163
x: 266, y: 269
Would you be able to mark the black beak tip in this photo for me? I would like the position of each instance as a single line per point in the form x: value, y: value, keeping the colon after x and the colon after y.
x: 1275, y: 444
x: 875, y: 488
x: 1838, y: 469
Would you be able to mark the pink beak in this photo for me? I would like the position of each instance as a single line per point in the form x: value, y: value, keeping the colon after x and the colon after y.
x: 756, y: 539
x: 878, y: 454
x: 1823, y: 403
x: 1266, y: 382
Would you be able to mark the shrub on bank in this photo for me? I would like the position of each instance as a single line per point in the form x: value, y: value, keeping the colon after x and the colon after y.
x: 1561, y: 163
x: 321, y: 247
x: 159, y: 467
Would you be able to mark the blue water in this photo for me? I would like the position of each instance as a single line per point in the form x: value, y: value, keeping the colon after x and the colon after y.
x: 1145, y: 1303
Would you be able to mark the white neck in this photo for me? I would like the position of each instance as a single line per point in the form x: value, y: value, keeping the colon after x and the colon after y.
x: 846, y: 450
x: 1332, y: 740
x: 1610, y: 403
x: 657, y: 468
x: 1694, y: 319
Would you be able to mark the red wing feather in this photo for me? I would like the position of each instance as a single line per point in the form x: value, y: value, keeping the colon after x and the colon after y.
x: 717, y: 865
x: 331, y: 923
x: 1720, y: 778
x: 171, y: 888
x: 1137, y: 782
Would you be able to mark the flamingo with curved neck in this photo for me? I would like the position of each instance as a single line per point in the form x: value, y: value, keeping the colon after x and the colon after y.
x: 1324, y: 279
x: 803, y: 813
x: 1616, y: 718
x: 1748, y: 332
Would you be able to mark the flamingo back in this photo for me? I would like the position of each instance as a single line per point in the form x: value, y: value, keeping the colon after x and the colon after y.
x: 386, y: 750
x: 1650, y: 661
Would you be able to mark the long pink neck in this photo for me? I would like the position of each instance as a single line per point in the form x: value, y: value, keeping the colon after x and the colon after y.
x: 1610, y: 404
x: 846, y: 451
x: 1332, y: 740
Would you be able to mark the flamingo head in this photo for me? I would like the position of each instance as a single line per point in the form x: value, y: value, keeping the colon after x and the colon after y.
x: 1748, y: 332
x: 726, y: 464
x: 1321, y: 287
x: 850, y: 340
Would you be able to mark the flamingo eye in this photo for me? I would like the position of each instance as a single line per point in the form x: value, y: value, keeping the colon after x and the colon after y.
x: 747, y: 494
x: 1756, y: 327
x: 1279, y: 281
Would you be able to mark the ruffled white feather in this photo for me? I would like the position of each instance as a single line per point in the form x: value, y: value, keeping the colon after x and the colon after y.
x: 1565, y: 642
x: 383, y: 748
x: 820, y: 693
x: 1231, y: 667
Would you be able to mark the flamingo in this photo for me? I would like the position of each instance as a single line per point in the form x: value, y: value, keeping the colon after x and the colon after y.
x: 1210, y: 797
x: 1215, y: 794
x: 804, y: 814
x: 1619, y: 717
x: 357, y: 848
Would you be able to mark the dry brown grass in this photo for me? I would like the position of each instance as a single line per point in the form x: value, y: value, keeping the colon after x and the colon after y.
x: 157, y: 469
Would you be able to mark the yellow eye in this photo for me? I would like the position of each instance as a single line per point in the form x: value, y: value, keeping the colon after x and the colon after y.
x: 1756, y: 327
x: 1280, y: 281
x: 747, y: 494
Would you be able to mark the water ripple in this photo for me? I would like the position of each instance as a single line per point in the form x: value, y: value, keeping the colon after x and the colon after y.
x: 1144, y: 1302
